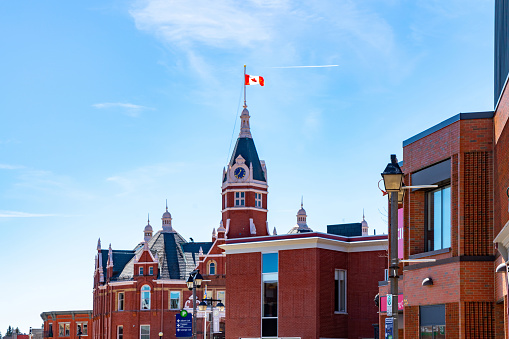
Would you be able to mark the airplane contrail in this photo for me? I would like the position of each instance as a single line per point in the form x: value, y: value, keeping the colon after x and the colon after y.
x: 318, y: 66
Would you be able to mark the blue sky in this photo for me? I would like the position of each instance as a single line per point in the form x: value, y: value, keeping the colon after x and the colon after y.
x: 110, y: 107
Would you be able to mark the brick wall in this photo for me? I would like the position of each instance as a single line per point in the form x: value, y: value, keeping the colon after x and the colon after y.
x: 243, y: 295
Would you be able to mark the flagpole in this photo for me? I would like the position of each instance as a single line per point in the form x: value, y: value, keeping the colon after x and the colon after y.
x: 245, y: 86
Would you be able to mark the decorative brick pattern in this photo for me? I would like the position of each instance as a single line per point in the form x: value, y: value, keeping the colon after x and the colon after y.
x: 479, y: 320
x: 477, y: 216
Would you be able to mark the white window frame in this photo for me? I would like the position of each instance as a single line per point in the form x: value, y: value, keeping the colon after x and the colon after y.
x: 258, y: 200
x: 120, y: 335
x: 66, y: 327
x: 240, y: 199
x: 142, y: 291
x: 120, y: 301
x: 221, y: 295
x: 151, y: 270
x: 178, y: 302
x: 140, y: 270
x: 145, y: 336
x: 83, y: 324
x: 339, y: 296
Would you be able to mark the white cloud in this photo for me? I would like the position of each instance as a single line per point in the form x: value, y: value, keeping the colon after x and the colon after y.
x: 16, y: 214
x: 131, y: 110
x: 213, y: 23
x: 11, y: 167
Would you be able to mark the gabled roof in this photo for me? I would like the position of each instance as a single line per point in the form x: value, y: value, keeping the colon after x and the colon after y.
x: 246, y: 148
x: 120, y: 259
x: 177, y: 257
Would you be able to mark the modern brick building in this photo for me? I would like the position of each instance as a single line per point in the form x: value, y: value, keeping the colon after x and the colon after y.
x: 460, y: 224
x: 303, y: 285
x: 67, y: 324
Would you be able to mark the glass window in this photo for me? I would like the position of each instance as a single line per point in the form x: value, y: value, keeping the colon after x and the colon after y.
x: 258, y: 200
x: 83, y: 327
x: 439, y: 219
x: 145, y: 297
x: 141, y: 271
x: 221, y: 295
x: 270, y: 294
x: 270, y: 262
x: 120, y: 332
x: 212, y: 268
x: 340, y: 291
x: 120, y: 301
x: 174, y: 300
x: 150, y: 270
x: 240, y: 199
x: 145, y: 332
x: 64, y: 329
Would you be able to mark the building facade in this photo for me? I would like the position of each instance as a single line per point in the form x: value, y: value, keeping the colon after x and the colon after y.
x: 138, y: 293
x: 304, y: 285
x: 67, y: 324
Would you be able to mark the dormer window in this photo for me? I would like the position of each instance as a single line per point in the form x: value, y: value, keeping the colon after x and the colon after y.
x: 140, y: 271
x: 240, y: 199
x: 150, y: 270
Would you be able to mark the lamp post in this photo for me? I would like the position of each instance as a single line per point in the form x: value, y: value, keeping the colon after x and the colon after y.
x: 194, y: 282
x: 393, y: 181
x: 203, y: 307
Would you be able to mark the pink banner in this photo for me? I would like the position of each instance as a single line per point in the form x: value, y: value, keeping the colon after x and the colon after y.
x: 400, y: 233
x: 383, y: 303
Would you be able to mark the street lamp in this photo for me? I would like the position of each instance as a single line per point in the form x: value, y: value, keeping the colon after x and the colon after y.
x: 203, y: 307
x: 393, y: 181
x: 194, y: 282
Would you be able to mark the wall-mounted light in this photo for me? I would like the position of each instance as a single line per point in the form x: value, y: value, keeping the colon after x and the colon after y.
x: 427, y: 282
x: 502, y: 268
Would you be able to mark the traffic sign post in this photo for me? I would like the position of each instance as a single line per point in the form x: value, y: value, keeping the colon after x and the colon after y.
x: 183, y: 324
x: 389, y: 305
x: 388, y: 328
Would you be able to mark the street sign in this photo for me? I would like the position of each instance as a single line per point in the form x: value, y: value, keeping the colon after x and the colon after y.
x: 388, y: 328
x: 389, y: 305
x: 183, y: 325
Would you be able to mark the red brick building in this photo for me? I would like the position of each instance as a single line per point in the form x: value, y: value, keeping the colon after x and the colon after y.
x: 463, y: 223
x: 138, y: 293
x: 304, y: 285
x: 67, y: 324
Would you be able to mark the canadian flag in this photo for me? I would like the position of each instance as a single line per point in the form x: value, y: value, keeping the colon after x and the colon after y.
x: 253, y: 80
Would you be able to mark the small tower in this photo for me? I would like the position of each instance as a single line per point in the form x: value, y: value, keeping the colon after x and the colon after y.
x: 302, y: 225
x: 245, y: 189
x: 147, y: 232
x: 166, y: 220
x: 364, y: 225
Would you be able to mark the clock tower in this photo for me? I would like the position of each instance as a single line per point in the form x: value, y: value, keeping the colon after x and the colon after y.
x: 244, y: 189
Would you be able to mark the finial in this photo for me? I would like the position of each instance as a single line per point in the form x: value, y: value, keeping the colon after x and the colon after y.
x: 166, y: 205
x: 99, y: 244
x: 302, y: 201
x: 274, y: 232
x: 148, y: 218
x: 363, y: 214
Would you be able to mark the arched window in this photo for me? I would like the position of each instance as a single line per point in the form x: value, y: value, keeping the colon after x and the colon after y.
x: 145, y: 297
x: 212, y: 268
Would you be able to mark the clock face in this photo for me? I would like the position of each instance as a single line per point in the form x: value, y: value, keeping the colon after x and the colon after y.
x: 239, y: 173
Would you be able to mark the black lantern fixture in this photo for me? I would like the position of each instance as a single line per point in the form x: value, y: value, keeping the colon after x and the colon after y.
x: 220, y: 305
x: 392, y: 175
x: 202, y: 306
